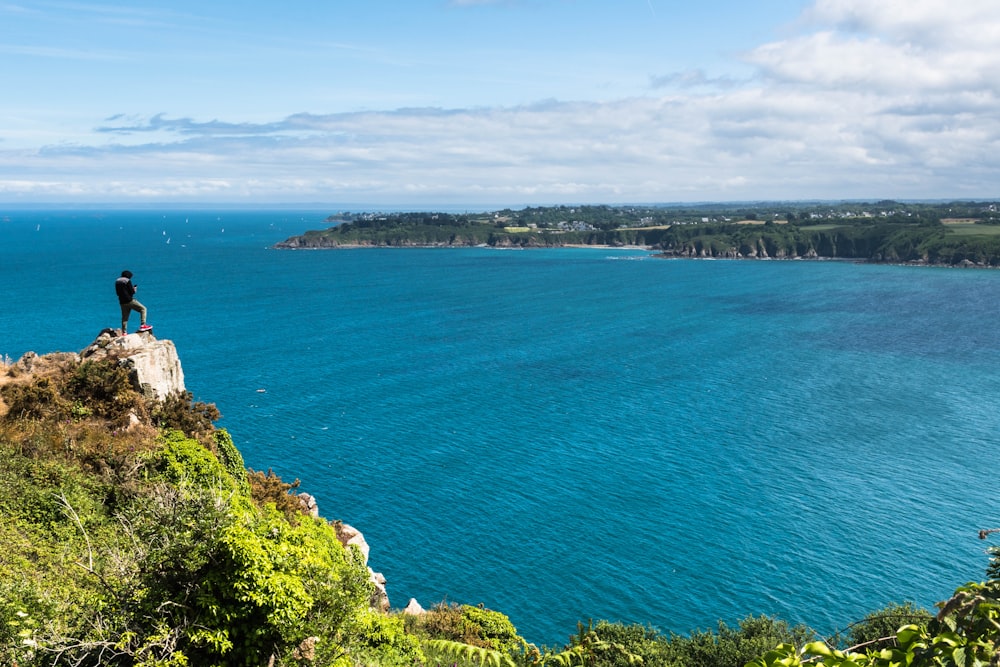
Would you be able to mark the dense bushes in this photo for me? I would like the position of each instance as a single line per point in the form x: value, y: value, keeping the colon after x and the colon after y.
x: 470, y: 625
x: 965, y: 633
x: 618, y: 645
x: 104, y: 390
x: 180, y: 411
x: 183, y: 569
x: 128, y: 545
x: 873, y: 630
x: 269, y: 488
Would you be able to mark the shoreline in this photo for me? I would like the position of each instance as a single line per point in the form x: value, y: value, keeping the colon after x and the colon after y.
x: 362, y: 246
x: 654, y: 252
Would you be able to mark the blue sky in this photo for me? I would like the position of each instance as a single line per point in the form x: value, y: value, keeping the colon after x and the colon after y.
x: 498, y: 102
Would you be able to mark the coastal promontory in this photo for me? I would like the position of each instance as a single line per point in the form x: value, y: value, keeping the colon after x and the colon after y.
x: 943, y: 234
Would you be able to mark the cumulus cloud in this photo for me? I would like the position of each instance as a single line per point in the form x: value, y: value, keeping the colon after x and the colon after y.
x: 891, y: 99
x: 921, y: 45
x: 928, y: 22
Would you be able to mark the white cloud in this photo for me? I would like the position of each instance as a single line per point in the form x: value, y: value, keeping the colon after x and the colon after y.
x: 892, y: 99
x: 972, y: 22
x: 914, y: 44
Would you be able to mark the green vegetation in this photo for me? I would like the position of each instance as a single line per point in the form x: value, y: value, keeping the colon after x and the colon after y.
x: 140, y: 545
x: 965, y: 633
x: 955, y: 233
x: 135, y: 537
x: 465, y: 625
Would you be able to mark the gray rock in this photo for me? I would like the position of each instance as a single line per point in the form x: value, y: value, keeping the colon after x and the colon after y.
x: 413, y: 608
x: 380, y: 598
x: 351, y: 536
x: 153, y: 365
x: 309, y: 504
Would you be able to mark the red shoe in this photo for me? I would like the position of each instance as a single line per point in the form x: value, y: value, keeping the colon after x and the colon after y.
x: 145, y: 327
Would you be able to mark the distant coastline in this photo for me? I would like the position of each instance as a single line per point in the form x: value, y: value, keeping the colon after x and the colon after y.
x: 963, y: 234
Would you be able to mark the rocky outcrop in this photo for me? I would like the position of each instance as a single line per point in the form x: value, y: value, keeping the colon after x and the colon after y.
x: 413, y: 608
x: 350, y: 536
x: 153, y: 365
x: 155, y: 370
x: 756, y: 250
x: 30, y: 362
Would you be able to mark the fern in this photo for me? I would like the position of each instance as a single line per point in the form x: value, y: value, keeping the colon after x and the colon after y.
x: 583, y: 653
x: 440, y: 651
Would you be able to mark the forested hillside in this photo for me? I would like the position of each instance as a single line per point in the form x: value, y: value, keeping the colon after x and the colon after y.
x: 954, y: 234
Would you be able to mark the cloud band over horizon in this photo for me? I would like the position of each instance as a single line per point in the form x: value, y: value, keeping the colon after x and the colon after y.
x: 888, y: 100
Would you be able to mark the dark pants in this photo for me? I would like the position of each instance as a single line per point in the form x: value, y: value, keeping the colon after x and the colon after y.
x: 127, y: 309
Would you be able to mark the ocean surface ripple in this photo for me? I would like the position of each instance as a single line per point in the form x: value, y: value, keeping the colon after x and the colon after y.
x: 562, y: 436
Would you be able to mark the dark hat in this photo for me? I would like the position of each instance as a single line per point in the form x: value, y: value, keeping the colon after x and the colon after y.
x: 126, y: 274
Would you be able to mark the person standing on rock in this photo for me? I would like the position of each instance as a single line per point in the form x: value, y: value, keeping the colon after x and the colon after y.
x: 126, y: 298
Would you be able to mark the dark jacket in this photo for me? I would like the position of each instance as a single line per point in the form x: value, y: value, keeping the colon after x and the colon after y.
x: 125, y: 289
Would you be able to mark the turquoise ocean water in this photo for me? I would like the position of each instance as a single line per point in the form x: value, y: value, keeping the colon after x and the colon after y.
x: 571, y: 434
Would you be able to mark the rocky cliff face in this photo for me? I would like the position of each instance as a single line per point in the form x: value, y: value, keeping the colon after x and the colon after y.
x: 752, y: 250
x: 350, y: 536
x: 153, y: 365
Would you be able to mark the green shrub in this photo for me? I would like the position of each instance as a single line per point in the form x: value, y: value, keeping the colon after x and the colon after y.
x: 269, y: 488
x: 962, y: 634
x: 179, y: 411
x: 735, y: 647
x: 475, y: 626
x: 492, y: 628
x: 183, y: 460
x: 40, y: 399
x: 632, y: 640
x: 374, y: 638
x: 273, y: 586
x: 616, y: 645
x: 231, y: 459
x: 105, y: 390
x: 884, y: 623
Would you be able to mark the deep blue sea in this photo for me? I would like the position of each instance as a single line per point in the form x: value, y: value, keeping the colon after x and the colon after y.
x: 571, y: 434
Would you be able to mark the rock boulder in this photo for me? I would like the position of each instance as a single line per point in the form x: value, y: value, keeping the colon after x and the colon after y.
x: 351, y: 536
x: 153, y: 365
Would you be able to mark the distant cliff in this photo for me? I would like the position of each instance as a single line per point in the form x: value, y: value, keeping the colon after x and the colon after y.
x: 885, y: 243
x: 429, y: 234
x: 897, y: 238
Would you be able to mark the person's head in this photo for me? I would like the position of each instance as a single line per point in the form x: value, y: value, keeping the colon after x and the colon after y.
x: 127, y: 274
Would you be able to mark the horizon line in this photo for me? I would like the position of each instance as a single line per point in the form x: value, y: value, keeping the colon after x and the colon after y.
x: 413, y: 207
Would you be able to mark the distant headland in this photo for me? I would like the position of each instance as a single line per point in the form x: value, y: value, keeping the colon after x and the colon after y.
x: 961, y: 233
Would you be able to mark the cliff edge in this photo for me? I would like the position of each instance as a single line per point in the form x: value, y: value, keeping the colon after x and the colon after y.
x: 153, y: 365
x: 154, y: 370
